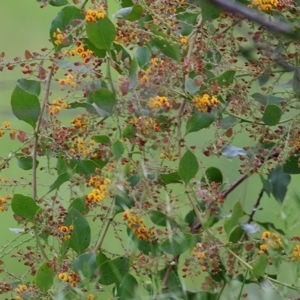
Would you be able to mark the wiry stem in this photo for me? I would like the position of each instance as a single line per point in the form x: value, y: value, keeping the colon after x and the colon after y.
x: 34, y: 154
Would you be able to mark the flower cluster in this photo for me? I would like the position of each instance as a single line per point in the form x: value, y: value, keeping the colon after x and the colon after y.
x: 24, y: 292
x: 66, y: 231
x: 80, y: 123
x: 167, y: 154
x: 67, y: 81
x: 125, y: 37
x: 71, y: 278
x: 155, y: 62
x: 93, y: 15
x: 198, y: 251
x: 205, y: 103
x: 138, y: 226
x: 100, y: 191
x: 60, y: 38
x: 159, y: 102
x: 145, y: 125
x: 82, y: 51
x: 3, y: 202
x: 264, y: 4
x: 271, y: 240
x: 5, y: 125
x: 56, y: 106
x: 296, y: 253
x: 81, y: 147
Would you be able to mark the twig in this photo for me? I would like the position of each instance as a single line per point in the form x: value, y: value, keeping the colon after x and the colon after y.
x: 34, y: 155
x: 257, y: 17
x: 256, y: 205
x: 234, y: 185
x: 101, y: 239
x: 192, y: 41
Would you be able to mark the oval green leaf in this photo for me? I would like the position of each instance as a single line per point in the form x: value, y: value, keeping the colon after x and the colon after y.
x: 101, y: 33
x: 188, y: 166
x: 81, y: 235
x: 86, y: 265
x: 199, y: 121
x: 30, y: 86
x: 65, y: 19
x: 44, y: 277
x: 113, y: 271
x: 118, y: 149
x: 25, y: 106
x: 213, y: 175
x: 105, y: 100
x: 272, y: 115
x: 24, y: 206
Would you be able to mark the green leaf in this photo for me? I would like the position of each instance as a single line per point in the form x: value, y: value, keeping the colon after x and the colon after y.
x: 213, y: 175
x: 80, y: 205
x: 123, y: 203
x: 170, y: 178
x: 160, y: 219
x: 30, y: 86
x: 113, y: 271
x: 173, y: 284
x: 128, y: 288
x: 81, y: 235
x: 291, y: 165
x: 280, y: 182
x: 65, y: 19
x: 25, y: 106
x: 85, y: 166
x: 143, y: 56
x: 105, y: 100
x: 236, y: 234
x: 61, y: 179
x: 199, y: 121
x: 101, y: 33
x: 58, y: 2
x: 260, y: 266
x: 272, y: 115
x: 44, y: 277
x: 228, y: 122
x: 101, y: 53
x: 267, y: 99
x: 129, y: 131
x: 118, y: 149
x: 263, y: 78
x: 133, y: 180
x: 209, y: 10
x: 270, y: 226
x: 101, y: 258
x: 267, y: 185
x: 237, y: 213
x: 25, y: 162
x: 132, y: 13
x: 86, y: 265
x: 191, y: 86
x: 226, y: 78
x: 187, y: 22
x: 161, y: 42
x: 24, y: 206
x: 101, y: 139
x: 178, y: 244
x: 188, y: 166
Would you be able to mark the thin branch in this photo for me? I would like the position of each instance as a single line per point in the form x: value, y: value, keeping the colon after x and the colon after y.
x: 192, y: 41
x: 235, y: 185
x: 36, y: 133
x: 256, y: 205
x: 257, y: 17
x: 101, y: 239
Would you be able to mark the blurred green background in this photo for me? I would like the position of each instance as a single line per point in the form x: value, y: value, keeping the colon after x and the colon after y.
x: 24, y: 26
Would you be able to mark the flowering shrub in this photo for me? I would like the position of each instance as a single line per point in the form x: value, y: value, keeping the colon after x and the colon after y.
x: 132, y: 208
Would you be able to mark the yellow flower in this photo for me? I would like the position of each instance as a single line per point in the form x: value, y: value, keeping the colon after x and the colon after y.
x: 6, y: 124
